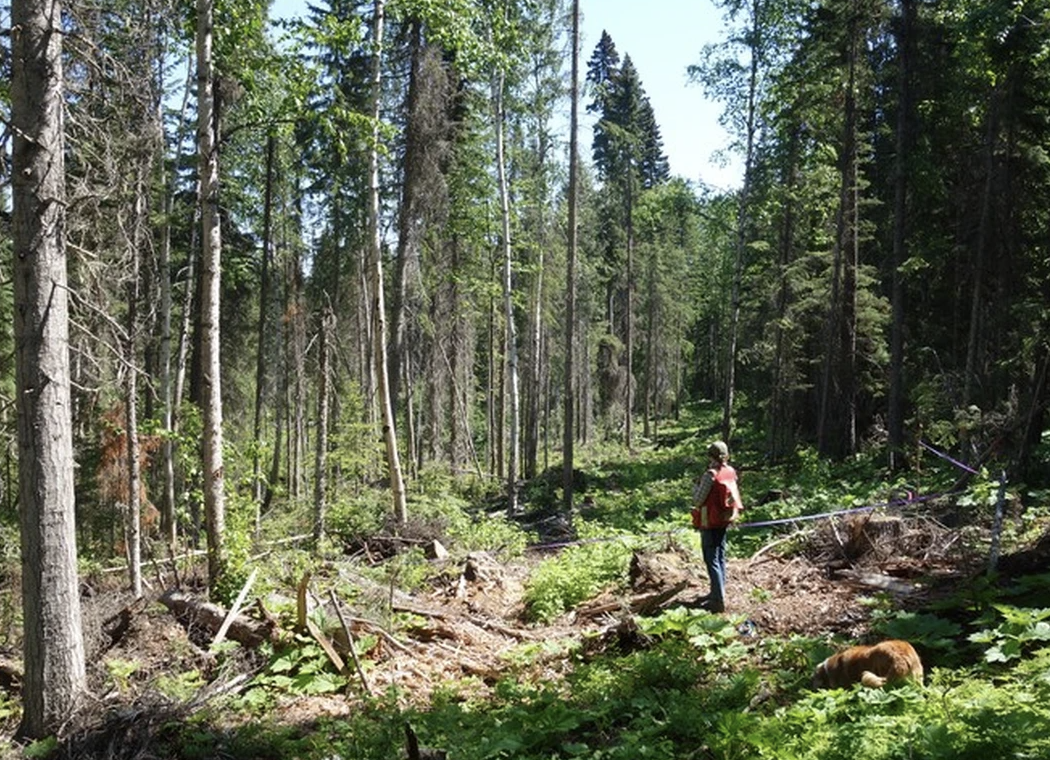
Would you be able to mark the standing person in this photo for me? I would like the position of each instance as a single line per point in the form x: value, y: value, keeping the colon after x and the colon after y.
x: 716, y: 505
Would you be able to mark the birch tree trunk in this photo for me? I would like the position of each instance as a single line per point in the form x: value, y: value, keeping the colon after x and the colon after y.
x: 55, y: 671
x: 513, y: 391
x: 211, y: 257
x: 397, y: 484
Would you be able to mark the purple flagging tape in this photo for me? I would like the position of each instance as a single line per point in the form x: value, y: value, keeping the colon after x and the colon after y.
x: 947, y: 458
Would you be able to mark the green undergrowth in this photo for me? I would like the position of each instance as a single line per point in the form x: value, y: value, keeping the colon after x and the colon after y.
x: 682, y: 685
x: 703, y: 686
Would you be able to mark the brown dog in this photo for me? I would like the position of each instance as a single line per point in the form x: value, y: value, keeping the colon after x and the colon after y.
x: 873, y: 666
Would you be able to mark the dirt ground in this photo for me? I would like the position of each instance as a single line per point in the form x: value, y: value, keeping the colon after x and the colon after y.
x: 469, y: 627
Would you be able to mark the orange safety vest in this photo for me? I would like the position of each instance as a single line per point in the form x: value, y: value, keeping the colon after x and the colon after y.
x: 722, y: 499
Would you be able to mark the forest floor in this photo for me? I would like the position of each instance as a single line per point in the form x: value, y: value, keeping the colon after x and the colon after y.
x: 467, y: 628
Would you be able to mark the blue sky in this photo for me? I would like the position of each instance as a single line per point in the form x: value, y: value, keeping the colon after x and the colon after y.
x: 662, y: 37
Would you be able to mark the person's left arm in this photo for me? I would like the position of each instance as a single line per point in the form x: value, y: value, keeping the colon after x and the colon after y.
x: 702, y: 487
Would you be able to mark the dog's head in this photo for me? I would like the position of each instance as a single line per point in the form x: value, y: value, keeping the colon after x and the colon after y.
x: 820, y: 676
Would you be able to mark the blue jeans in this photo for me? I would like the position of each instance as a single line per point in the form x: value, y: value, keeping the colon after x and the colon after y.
x: 713, y: 541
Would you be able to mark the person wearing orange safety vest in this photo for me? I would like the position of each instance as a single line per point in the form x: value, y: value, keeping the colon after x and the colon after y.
x: 716, y: 505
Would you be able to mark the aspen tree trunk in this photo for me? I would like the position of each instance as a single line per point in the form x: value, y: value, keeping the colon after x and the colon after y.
x: 54, y: 660
x: 513, y: 391
x: 182, y: 358
x: 211, y: 257
x: 131, y: 434
x: 397, y: 484
x: 321, y: 451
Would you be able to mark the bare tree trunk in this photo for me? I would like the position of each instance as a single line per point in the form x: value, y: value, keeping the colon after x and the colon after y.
x: 983, y: 234
x: 211, y: 256
x: 905, y: 120
x: 134, y: 515
x: 743, y: 216
x: 260, y: 357
x: 568, y: 438
x: 410, y: 223
x: 167, y: 509
x: 397, y: 484
x: 838, y: 391
x: 182, y: 357
x: 55, y: 671
x: 535, y: 394
x: 297, y: 433
x: 628, y: 402
x: 508, y: 305
x: 649, y: 387
x: 492, y: 430
x: 321, y: 446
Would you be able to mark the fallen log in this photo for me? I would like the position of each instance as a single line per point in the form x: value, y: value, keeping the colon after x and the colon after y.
x: 876, y: 580
x: 641, y: 604
x: 480, y: 622
x: 208, y: 617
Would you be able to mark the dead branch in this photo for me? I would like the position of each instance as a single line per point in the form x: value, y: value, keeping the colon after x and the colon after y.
x: 195, y: 613
x: 350, y: 642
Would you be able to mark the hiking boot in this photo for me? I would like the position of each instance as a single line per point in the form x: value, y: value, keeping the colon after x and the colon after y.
x: 713, y: 605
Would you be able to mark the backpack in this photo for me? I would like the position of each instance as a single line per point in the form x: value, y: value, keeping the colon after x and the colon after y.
x: 724, y: 496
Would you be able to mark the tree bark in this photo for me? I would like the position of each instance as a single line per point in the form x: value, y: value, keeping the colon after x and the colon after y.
x: 55, y: 671
x: 321, y: 458
x: 211, y: 257
x: 397, y: 484
x: 167, y: 509
x: 260, y: 358
x: 743, y: 221
x: 513, y: 392
x: 569, y: 412
x: 131, y: 436
x: 905, y: 120
x: 629, y: 349
x: 836, y: 432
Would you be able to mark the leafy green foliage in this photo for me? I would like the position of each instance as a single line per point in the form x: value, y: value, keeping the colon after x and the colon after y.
x: 299, y: 668
x: 1019, y: 631
x: 576, y: 573
x: 922, y: 629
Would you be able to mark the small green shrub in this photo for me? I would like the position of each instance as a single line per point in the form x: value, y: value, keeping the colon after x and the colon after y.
x: 1020, y: 630
x: 577, y: 573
